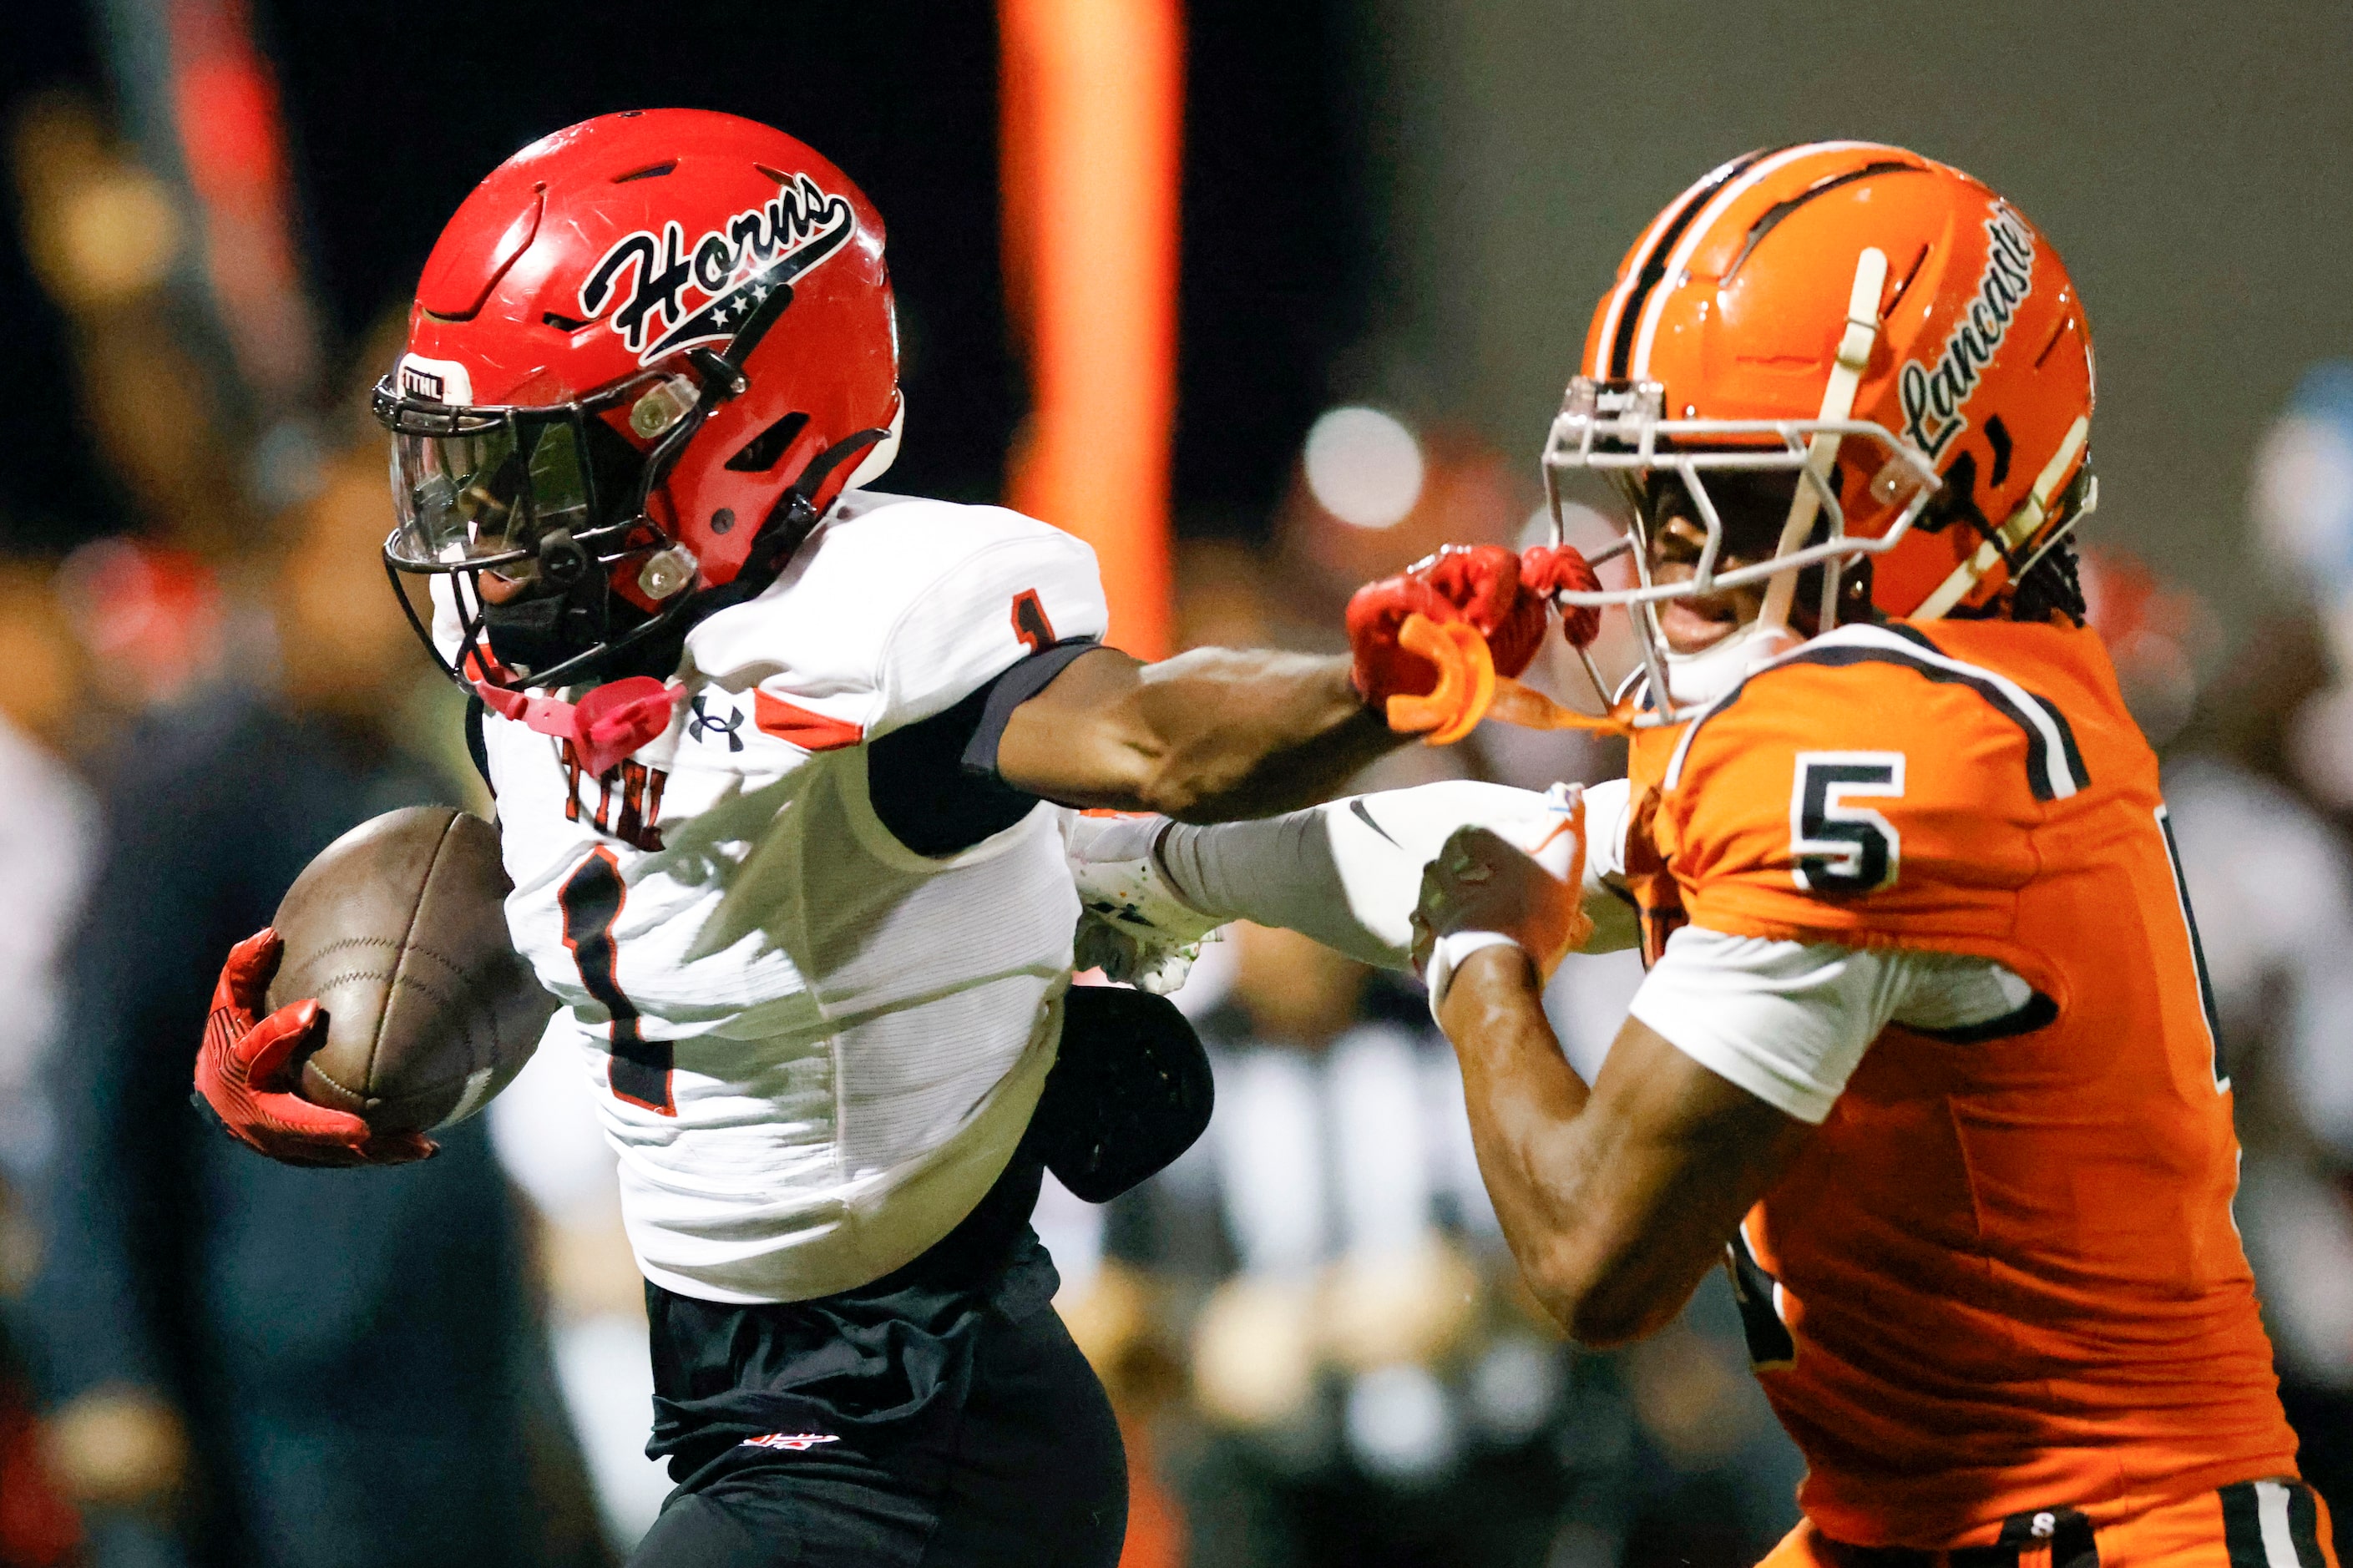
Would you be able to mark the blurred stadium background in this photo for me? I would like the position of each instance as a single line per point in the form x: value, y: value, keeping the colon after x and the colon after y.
x: 1265, y: 300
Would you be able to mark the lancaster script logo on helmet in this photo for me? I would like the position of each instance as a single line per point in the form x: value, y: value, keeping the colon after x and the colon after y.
x: 1933, y: 399
x: 735, y: 267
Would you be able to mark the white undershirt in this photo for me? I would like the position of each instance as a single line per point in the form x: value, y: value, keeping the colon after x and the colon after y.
x: 1788, y: 1021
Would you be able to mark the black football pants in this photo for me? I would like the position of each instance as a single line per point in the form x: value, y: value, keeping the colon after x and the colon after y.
x: 1030, y: 1473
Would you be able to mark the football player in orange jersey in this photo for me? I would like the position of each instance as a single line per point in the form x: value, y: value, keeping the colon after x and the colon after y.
x: 1924, y: 1052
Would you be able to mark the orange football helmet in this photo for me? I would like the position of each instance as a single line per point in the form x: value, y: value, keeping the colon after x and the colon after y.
x: 1885, y: 329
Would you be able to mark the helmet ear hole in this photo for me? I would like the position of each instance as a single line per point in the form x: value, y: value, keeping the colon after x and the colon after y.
x: 1997, y: 436
x: 1956, y: 501
x: 765, y: 450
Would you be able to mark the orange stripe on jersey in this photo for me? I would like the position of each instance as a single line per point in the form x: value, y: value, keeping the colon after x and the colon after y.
x: 811, y: 731
x: 2002, y: 1276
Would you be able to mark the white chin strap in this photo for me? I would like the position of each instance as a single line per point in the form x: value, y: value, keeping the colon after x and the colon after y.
x: 1838, y: 402
x: 883, y: 453
x: 1704, y: 675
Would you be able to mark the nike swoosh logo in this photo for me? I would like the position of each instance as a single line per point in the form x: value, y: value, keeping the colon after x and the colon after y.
x: 1357, y: 808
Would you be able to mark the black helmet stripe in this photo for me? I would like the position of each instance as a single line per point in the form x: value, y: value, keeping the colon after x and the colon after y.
x: 1654, y: 266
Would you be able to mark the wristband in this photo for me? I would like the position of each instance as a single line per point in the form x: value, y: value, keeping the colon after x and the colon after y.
x: 1449, y: 951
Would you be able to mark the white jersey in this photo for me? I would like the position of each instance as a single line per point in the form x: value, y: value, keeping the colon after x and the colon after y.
x: 814, y: 1050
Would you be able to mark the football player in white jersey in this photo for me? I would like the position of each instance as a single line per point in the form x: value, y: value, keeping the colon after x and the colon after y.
x: 773, y: 753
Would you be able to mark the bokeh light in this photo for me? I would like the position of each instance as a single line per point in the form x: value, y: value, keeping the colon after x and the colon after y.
x: 1364, y: 467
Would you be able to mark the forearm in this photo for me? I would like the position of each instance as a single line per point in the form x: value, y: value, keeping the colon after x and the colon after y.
x: 1346, y: 872
x: 1526, y: 1108
x: 1617, y: 1200
x: 1211, y: 735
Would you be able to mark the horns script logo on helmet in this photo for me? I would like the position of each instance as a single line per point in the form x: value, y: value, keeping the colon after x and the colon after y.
x: 735, y: 267
x: 1933, y: 399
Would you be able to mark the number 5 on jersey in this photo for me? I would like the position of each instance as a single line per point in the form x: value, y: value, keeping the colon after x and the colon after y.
x: 1836, y: 847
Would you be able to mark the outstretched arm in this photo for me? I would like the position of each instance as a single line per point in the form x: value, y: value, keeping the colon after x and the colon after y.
x: 1217, y: 734
x: 1347, y: 873
x: 1206, y: 736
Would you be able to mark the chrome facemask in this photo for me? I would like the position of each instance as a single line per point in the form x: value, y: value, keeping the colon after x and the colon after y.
x: 1619, y: 430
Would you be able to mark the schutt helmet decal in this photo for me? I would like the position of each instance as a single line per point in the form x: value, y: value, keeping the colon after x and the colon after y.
x: 1933, y: 399
x: 731, y: 269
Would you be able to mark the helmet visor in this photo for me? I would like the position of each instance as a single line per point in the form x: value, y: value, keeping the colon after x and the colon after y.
x: 486, y: 492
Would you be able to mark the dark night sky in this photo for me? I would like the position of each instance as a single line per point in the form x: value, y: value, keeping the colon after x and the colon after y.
x: 52, y: 493
x: 396, y: 109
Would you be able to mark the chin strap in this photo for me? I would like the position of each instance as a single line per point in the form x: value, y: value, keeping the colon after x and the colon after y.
x: 782, y: 532
x: 606, y: 725
x: 1838, y: 402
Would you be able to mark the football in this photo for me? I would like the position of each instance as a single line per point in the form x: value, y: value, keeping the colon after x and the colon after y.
x: 399, y: 929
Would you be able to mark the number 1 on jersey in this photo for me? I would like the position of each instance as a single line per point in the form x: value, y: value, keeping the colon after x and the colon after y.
x: 590, y: 898
x: 1029, y: 622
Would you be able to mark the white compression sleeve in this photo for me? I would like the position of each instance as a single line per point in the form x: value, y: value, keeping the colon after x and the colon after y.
x: 1347, y: 873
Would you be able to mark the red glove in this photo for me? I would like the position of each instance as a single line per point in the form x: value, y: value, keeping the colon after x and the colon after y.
x: 1546, y: 570
x: 246, y: 1072
x: 1479, y: 583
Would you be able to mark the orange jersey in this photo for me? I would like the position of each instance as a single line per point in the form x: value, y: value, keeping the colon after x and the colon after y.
x: 2003, y: 1275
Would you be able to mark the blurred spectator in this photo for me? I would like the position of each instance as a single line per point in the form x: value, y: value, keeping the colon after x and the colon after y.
x: 47, y: 845
x: 151, y: 619
x: 2271, y: 883
x: 2257, y: 784
x: 1370, y: 1383
x: 2302, y: 507
x: 251, y: 1363
x: 104, y: 236
x: 1367, y: 1394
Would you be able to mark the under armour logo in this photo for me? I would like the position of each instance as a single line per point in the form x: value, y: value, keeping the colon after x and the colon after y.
x: 705, y: 726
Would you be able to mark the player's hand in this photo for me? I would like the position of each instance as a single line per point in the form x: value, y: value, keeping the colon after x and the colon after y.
x: 1132, y: 924
x: 1549, y: 569
x: 1477, y: 584
x: 246, y: 1070
x: 1483, y: 882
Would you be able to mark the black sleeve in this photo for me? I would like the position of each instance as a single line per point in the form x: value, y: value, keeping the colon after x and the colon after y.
x: 477, y: 747
x: 934, y: 783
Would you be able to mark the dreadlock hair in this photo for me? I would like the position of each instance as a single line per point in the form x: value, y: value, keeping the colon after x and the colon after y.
x: 2050, y: 586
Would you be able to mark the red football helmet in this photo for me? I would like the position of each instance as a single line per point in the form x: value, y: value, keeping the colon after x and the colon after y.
x: 645, y: 357
x: 1834, y: 352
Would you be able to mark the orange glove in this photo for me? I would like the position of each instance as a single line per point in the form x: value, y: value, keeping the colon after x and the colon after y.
x: 245, y: 1071
x: 1479, y: 584
x: 1546, y: 570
